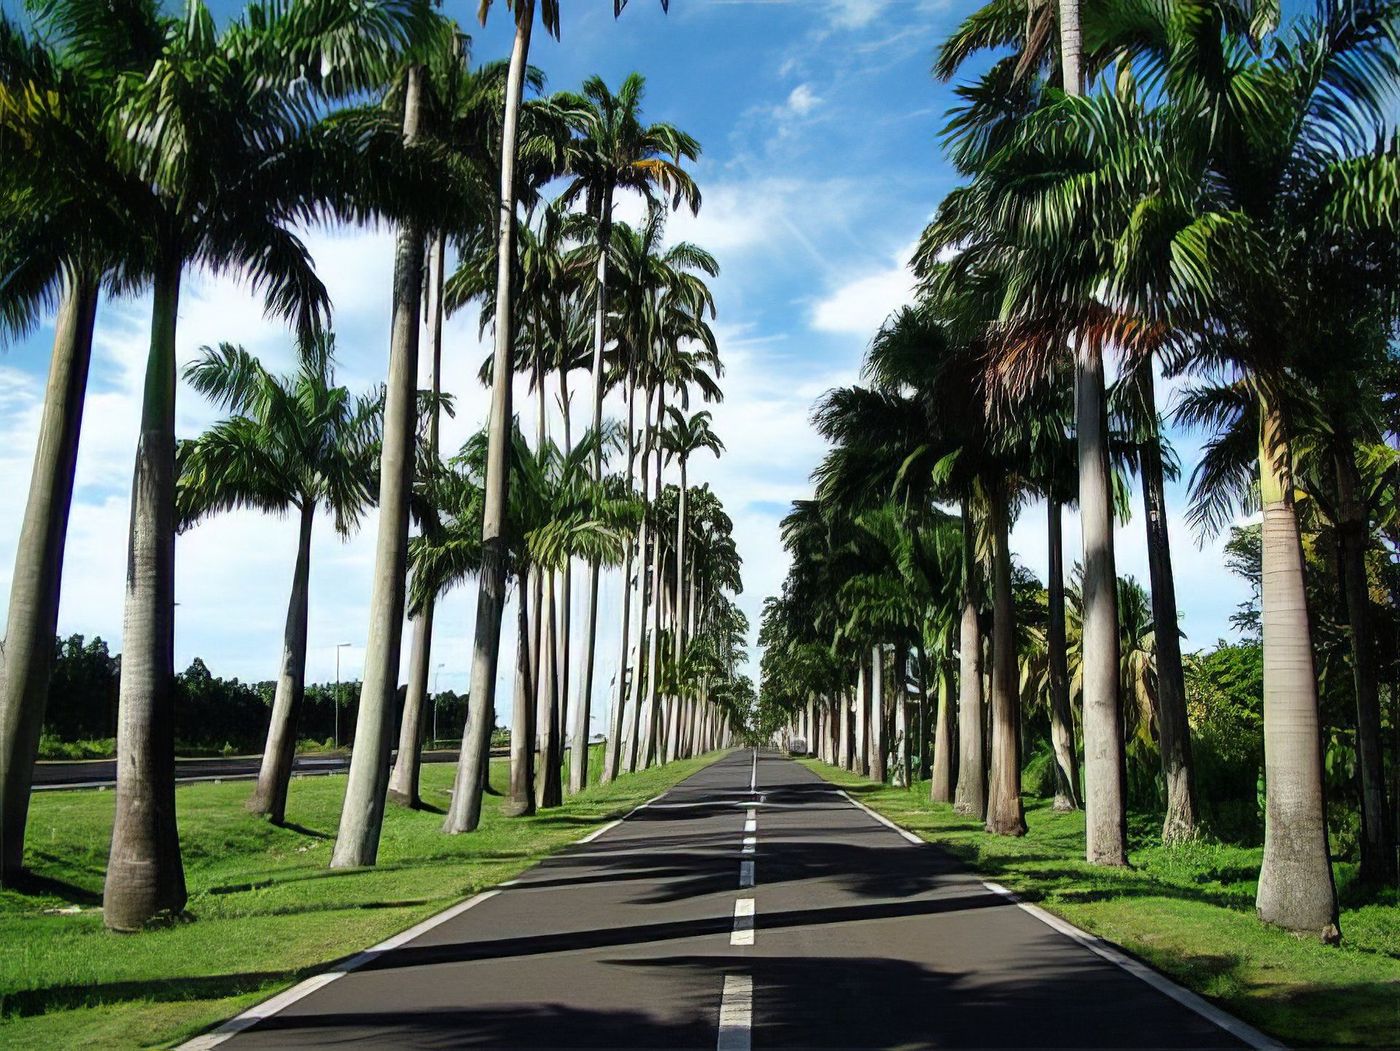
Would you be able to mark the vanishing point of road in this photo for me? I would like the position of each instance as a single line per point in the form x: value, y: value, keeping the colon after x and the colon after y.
x: 752, y: 906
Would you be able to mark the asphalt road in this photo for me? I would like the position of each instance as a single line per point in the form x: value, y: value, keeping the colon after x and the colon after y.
x: 101, y: 773
x: 693, y: 925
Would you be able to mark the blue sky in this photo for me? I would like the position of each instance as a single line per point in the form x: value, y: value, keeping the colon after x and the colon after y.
x: 821, y: 164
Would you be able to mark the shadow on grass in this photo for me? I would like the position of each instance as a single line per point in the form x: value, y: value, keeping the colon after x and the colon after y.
x: 46, y: 886
x: 27, y: 1002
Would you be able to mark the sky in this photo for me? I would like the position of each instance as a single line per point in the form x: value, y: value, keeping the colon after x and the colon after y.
x: 820, y: 125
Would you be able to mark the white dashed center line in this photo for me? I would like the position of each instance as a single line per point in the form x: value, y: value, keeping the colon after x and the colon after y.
x: 750, y: 844
x: 746, y: 874
x: 743, y: 922
x: 736, y: 1014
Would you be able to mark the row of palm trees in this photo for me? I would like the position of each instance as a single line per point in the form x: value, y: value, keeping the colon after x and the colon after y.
x: 1223, y: 202
x: 148, y: 142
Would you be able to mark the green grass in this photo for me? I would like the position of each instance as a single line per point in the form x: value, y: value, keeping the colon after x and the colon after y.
x: 264, y: 910
x: 1189, y: 912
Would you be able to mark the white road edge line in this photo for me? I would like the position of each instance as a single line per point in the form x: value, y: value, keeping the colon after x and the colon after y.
x: 736, y: 1014
x: 283, y: 1000
x: 880, y: 818
x: 746, y: 874
x: 1164, y: 985
x: 743, y: 922
x: 1114, y: 955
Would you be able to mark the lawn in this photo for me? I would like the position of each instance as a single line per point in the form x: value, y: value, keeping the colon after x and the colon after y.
x: 1189, y: 912
x: 264, y: 910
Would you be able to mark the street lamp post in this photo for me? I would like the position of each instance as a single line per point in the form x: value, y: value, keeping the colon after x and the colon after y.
x: 336, y: 702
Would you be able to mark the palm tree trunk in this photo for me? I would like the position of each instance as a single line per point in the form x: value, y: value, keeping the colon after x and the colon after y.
x: 922, y: 656
x: 1005, y: 814
x: 279, y: 754
x: 652, y: 715
x: 521, y: 801
x: 566, y: 587
x: 145, y: 875
x: 1071, y: 78
x: 547, y: 778
x: 971, y: 795
x: 1354, y: 530
x: 612, y: 750
x: 362, y: 814
x: 879, y: 742
x: 464, y: 812
x: 1296, y: 891
x: 645, y: 584
x: 26, y: 658
x: 1173, y: 729
x: 941, y: 784
x: 578, y: 764
x: 1105, y: 771
x: 862, y: 716
x: 846, y: 747
x: 403, y: 782
x: 901, y: 716
x: 1061, y: 714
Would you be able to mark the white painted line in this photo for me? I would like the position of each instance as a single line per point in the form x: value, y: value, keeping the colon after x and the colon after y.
x: 752, y: 815
x: 753, y: 778
x: 1164, y: 985
x: 743, y: 922
x: 750, y: 843
x: 882, y: 819
x: 1116, y: 956
x: 736, y: 1014
x: 599, y: 831
x: 746, y: 873
x: 280, y: 1002
x: 750, y: 825
x: 268, y: 1008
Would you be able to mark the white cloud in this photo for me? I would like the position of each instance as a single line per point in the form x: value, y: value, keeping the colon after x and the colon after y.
x: 861, y: 305
x: 802, y: 100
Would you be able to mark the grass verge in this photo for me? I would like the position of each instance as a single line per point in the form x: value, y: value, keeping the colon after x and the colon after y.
x: 264, y: 910
x: 1186, y: 910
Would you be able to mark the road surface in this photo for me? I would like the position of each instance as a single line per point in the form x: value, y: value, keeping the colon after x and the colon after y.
x: 721, y: 917
x: 101, y: 773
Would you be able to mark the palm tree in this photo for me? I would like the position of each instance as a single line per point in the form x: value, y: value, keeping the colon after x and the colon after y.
x: 362, y: 812
x: 1153, y: 456
x: 464, y: 814
x: 293, y: 443
x: 686, y: 436
x: 557, y: 512
x: 614, y: 151
x: 221, y: 136
x: 66, y: 227
x: 1047, y: 327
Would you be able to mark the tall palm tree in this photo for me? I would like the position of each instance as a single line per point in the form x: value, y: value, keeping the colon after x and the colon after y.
x: 556, y: 513
x: 362, y: 812
x: 223, y: 136
x: 293, y: 443
x: 66, y: 226
x: 1153, y: 456
x: 686, y: 436
x: 464, y: 813
x: 614, y: 151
